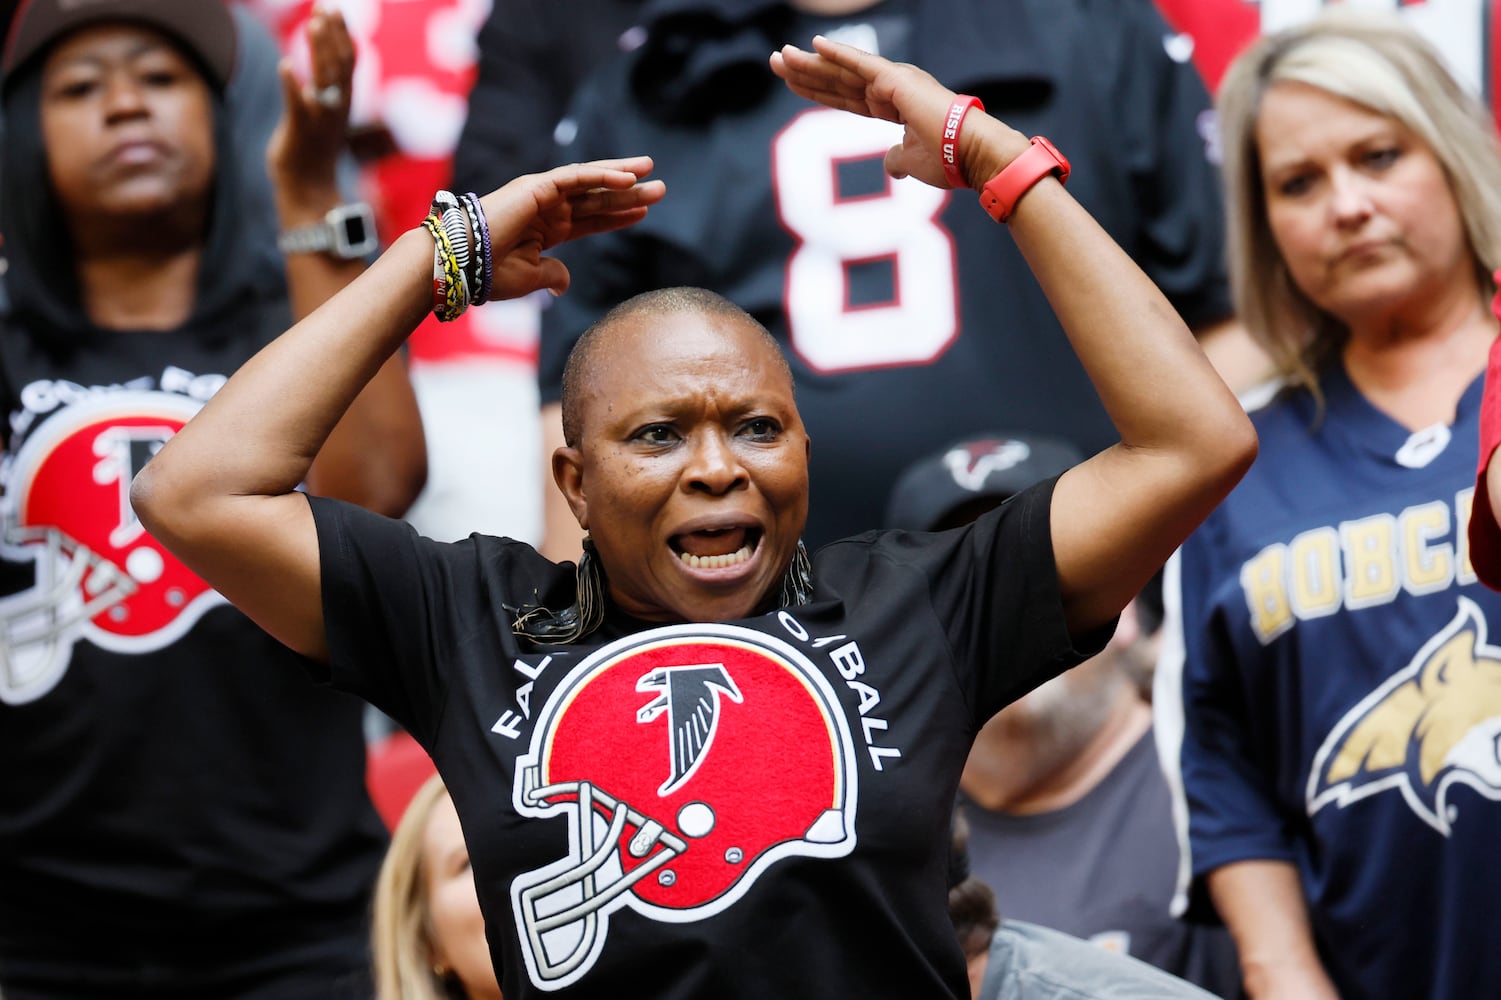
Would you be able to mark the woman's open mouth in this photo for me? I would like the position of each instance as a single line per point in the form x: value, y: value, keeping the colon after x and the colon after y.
x: 716, y: 549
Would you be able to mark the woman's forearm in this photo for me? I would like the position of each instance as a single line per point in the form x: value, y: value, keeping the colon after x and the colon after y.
x: 1185, y: 439
x: 377, y: 455
x: 261, y: 432
x: 1153, y: 379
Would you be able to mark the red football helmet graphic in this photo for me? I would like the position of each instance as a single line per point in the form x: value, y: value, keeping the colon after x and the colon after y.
x: 688, y: 760
x: 97, y: 574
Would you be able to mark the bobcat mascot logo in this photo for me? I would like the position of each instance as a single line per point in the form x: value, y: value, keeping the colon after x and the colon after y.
x: 1433, y: 723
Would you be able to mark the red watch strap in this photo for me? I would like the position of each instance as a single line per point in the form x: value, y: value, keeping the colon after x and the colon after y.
x: 1001, y: 193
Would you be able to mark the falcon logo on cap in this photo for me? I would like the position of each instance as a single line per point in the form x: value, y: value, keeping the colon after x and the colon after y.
x: 973, y: 463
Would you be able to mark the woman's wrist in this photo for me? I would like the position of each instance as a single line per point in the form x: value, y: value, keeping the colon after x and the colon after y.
x: 305, y: 204
x: 988, y: 145
x: 305, y: 197
x: 1301, y: 977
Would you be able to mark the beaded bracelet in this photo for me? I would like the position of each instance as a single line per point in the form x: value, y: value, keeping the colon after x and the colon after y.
x: 450, y: 298
x: 446, y: 207
x: 440, y: 277
x: 457, y: 232
x: 456, y: 224
x: 482, y: 233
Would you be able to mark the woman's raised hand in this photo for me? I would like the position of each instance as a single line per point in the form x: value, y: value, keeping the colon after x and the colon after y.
x: 303, y: 154
x: 848, y: 79
x: 536, y: 212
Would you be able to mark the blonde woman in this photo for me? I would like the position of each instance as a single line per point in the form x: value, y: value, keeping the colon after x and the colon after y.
x: 1327, y: 708
x: 428, y: 938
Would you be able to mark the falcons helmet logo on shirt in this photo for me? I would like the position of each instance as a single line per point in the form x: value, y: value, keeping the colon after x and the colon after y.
x: 96, y: 573
x: 688, y: 760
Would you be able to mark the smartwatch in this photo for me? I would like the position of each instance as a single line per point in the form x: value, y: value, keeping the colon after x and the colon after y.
x: 347, y: 232
x: 1001, y: 193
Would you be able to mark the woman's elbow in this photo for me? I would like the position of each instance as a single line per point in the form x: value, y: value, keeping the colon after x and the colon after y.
x: 174, y: 501
x: 1233, y: 449
x: 150, y: 498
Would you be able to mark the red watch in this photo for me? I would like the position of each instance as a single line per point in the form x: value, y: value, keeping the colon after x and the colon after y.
x: 1001, y: 193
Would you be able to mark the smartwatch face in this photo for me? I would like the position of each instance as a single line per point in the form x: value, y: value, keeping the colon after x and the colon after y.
x: 354, y: 230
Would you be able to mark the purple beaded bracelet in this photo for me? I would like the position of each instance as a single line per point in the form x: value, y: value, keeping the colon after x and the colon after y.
x: 482, y: 231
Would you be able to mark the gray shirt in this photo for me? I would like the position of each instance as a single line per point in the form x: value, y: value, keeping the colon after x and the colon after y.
x: 1028, y: 962
x: 1104, y: 869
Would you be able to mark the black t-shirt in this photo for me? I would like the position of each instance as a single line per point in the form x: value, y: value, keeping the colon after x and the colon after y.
x: 908, y: 315
x: 178, y: 800
x: 780, y: 787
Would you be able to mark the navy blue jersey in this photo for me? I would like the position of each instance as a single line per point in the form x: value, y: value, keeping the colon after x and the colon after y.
x: 1336, y: 698
x: 753, y: 809
x: 908, y: 315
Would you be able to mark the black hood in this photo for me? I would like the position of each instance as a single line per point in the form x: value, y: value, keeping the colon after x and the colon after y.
x: 41, y: 278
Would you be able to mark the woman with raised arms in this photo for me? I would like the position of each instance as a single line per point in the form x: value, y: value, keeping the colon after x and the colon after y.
x: 698, y: 763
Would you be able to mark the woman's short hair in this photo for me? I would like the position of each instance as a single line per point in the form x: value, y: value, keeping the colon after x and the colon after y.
x: 1375, y: 61
x: 401, y: 927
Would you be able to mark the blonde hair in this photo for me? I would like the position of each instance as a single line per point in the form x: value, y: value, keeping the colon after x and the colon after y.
x: 401, y: 930
x: 1379, y: 63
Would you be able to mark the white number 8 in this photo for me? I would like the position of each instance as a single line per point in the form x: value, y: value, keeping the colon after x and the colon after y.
x: 898, y: 226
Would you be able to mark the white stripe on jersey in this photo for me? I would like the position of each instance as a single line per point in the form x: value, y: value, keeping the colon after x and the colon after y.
x: 1167, y: 718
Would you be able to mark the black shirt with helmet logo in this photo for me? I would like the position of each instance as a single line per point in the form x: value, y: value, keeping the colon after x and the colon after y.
x: 749, y: 809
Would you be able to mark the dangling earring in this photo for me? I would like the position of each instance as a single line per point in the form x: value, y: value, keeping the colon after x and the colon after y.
x: 556, y: 628
x: 590, y: 584
x: 797, y: 582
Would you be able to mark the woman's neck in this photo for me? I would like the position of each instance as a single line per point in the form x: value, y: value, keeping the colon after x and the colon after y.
x: 135, y: 292
x: 139, y: 275
x: 1415, y: 368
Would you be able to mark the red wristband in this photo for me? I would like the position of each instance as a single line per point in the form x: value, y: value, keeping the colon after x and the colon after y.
x: 1001, y: 193
x: 948, y: 146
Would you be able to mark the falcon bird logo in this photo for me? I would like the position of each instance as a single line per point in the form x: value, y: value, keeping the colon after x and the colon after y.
x: 690, y: 697
x: 1433, y: 723
x: 973, y: 463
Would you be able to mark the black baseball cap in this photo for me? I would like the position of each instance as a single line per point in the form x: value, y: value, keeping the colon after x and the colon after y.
x: 204, y: 27
x: 974, y: 474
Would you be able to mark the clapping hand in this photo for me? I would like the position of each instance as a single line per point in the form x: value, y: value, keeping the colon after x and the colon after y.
x: 303, y: 154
